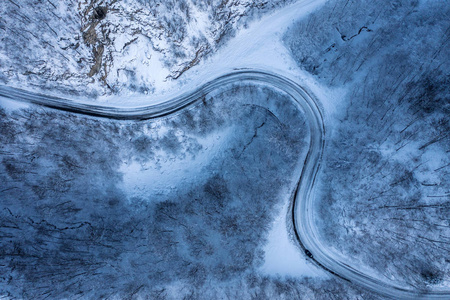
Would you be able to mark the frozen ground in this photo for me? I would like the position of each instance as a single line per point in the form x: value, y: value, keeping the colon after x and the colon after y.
x: 153, y: 177
x: 381, y: 73
x: 282, y: 256
x: 248, y: 48
x: 383, y: 197
x: 104, y: 47
x: 139, y: 229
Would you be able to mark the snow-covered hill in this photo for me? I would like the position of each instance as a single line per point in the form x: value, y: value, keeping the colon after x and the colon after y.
x: 114, y: 47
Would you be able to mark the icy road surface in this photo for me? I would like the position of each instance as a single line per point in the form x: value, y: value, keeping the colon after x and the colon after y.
x: 302, y: 212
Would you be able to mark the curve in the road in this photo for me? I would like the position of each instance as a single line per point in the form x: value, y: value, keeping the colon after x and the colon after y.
x: 302, y: 208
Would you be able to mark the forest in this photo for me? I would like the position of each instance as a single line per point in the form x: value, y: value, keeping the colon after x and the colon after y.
x: 110, y: 47
x: 69, y: 228
x: 384, y: 194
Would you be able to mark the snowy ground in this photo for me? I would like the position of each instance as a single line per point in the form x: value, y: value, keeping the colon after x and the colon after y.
x: 101, y: 47
x: 262, y: 46
x: 250, y: 48
x: 191, y: 195
x: 163, y: 175
x: 11, y: 105
x: 383, y: 193
x: 282, y: 256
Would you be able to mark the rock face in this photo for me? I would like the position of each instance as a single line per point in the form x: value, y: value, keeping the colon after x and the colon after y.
x: 101, y: 47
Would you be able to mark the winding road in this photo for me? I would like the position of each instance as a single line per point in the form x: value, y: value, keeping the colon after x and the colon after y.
x: 302, y: 208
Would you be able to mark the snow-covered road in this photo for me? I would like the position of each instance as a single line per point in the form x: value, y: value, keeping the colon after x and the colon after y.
x: 303, y: 201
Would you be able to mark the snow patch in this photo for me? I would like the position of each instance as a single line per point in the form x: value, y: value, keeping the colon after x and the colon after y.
x: 11, y: 105
x: 282, y: 256
x: 165, y: 173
